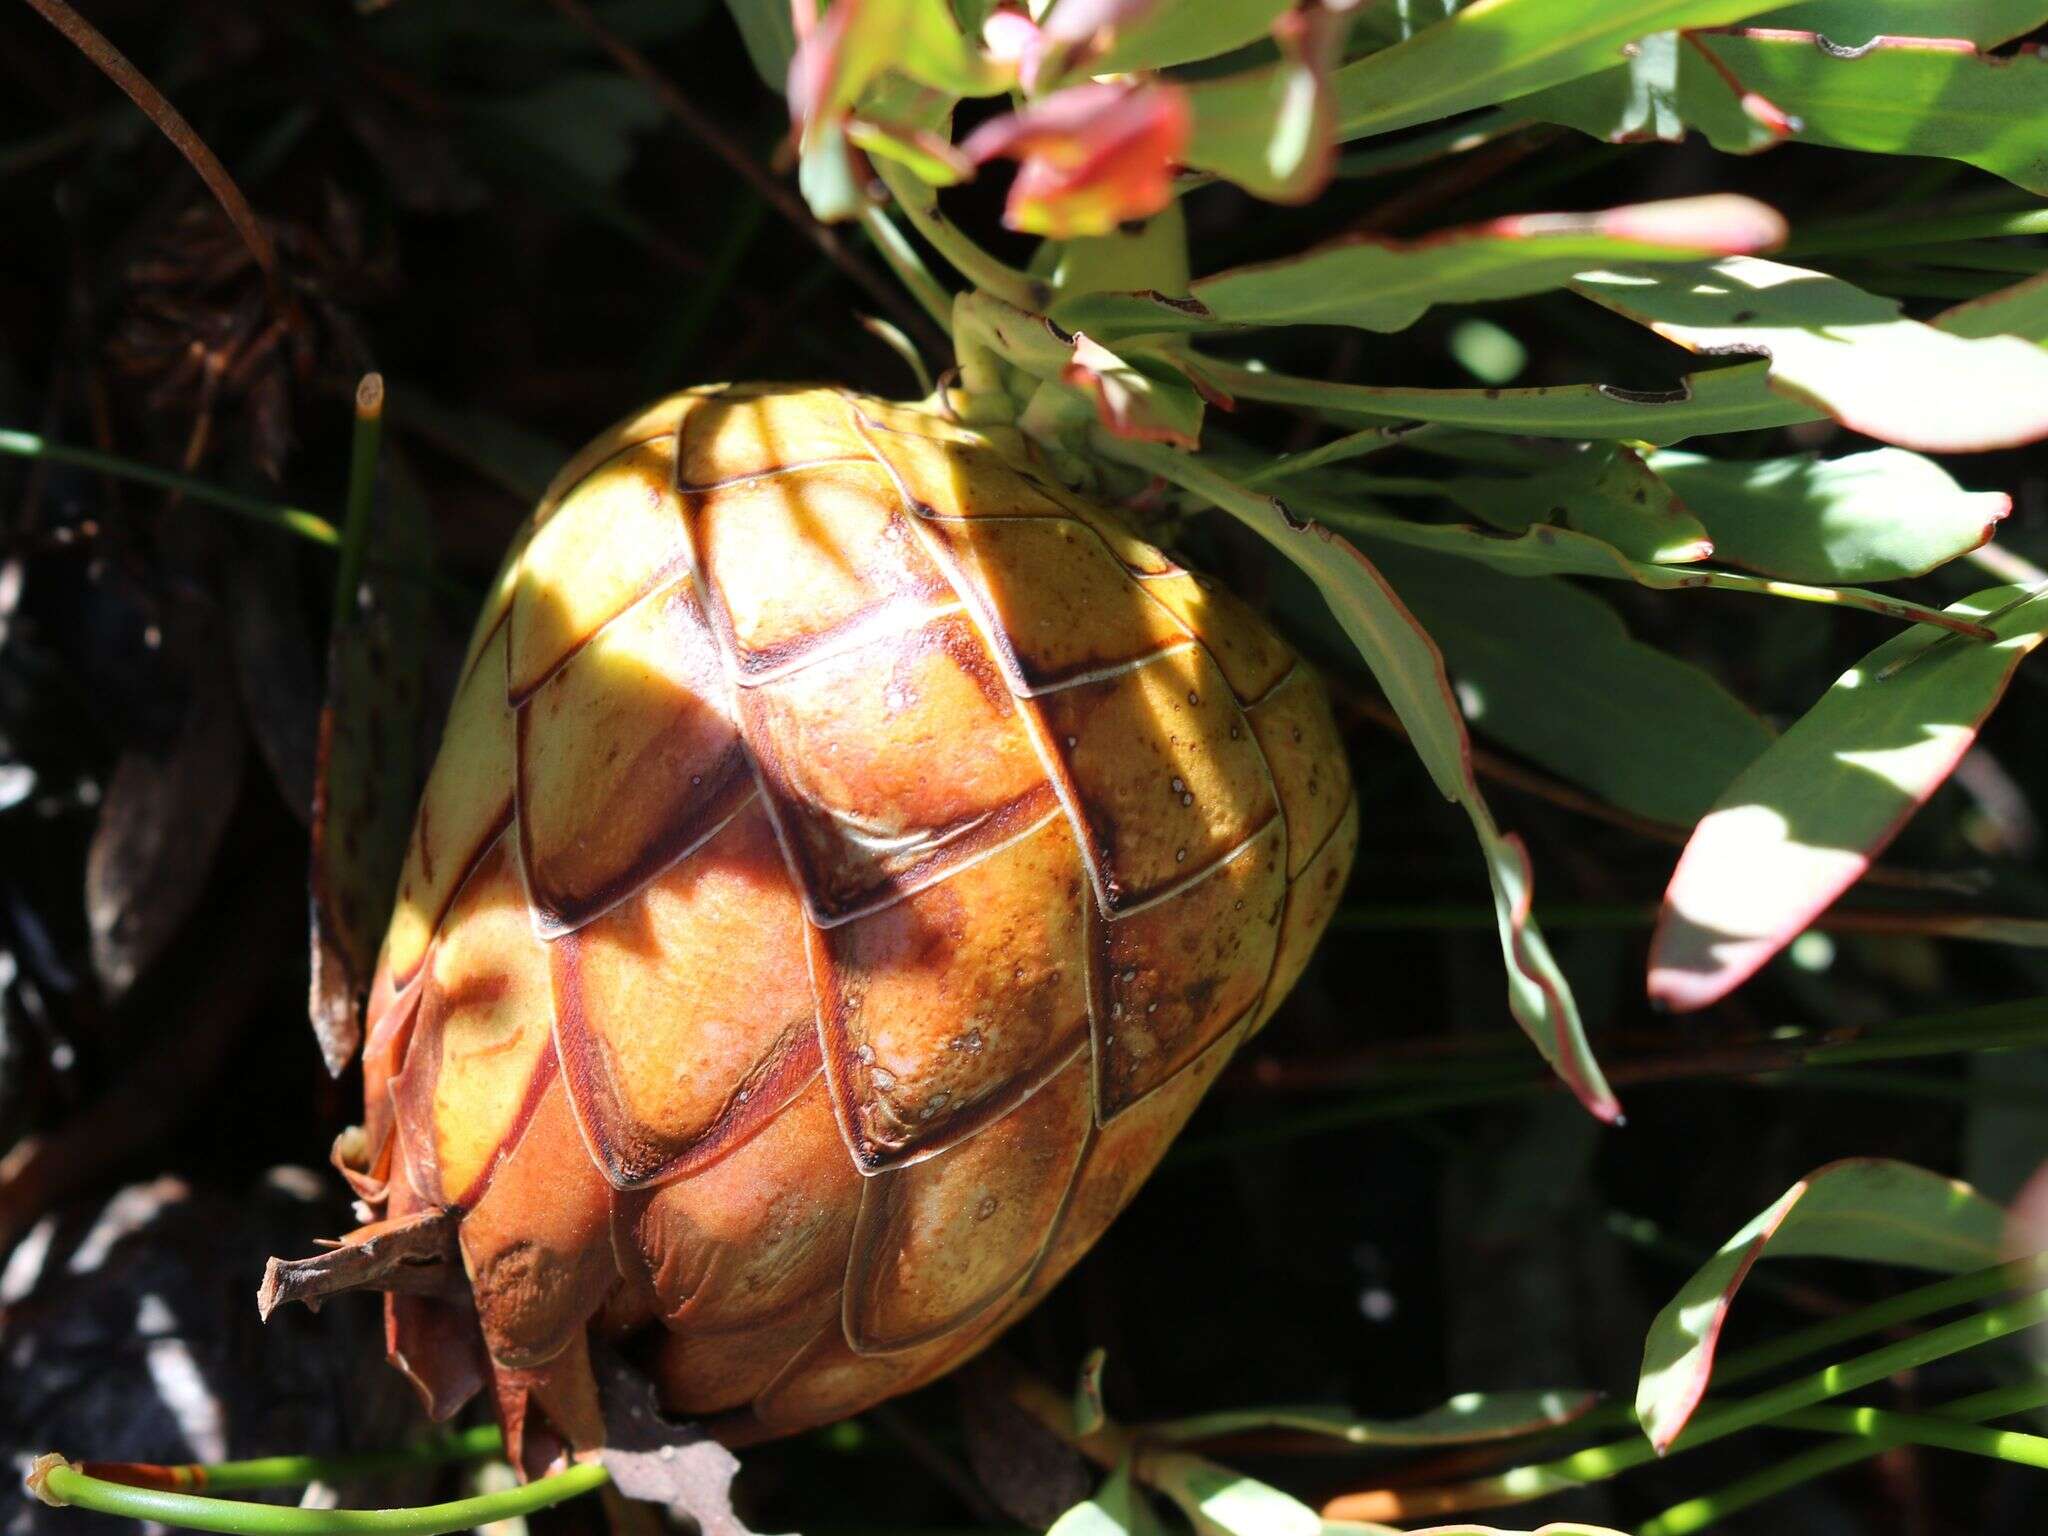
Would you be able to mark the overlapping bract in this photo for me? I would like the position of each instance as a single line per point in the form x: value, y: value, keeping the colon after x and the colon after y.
x: 850, y: 858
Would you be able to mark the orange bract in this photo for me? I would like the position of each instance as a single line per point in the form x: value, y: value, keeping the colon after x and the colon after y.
x: 851, y: 858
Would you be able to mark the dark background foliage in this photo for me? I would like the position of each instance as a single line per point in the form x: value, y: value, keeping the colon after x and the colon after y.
x: 469, y: 196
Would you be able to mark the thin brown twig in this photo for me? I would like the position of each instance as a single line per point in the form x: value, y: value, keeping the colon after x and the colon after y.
x: 112, y: 63
x: 756, y: 175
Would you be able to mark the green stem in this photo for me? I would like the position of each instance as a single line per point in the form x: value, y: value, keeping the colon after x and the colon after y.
x: 1957, y: 1291
x: 920, y: 205
x: 63, y: 1484
x: 908, y: 266
x: 1597, y: 1463
x: 295, y: 520
x: 297, y: 1471
x: 1696, y: 1514
x: 362, y: 487
x: 1949, y: 228
x: 2011, y: 1445
x: 1353, y: 445
x: 1489, y: 1072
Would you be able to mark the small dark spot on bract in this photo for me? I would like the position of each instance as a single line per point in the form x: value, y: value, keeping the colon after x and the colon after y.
x: 1493, y: 394
x: 1743, y: 316
x: 1640, y: 496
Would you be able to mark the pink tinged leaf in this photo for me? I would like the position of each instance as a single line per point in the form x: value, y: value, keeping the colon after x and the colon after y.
x: 1869, y: 1209
x: 1079, y: 21
x: 1012, y: 39
x: 1757, y: 107
x: 1803, y: 822
x: 1129, y: 402
x: 1721, y: 222
x: 1090, y: 158
x: 1849, y: 353
x: 1410, y: 669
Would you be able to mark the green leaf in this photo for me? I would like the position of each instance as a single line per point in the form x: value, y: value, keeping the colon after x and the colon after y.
x: 1410, y: 671
x: 1550, y: 671
x: 1220, y: 1502
x: 1602, y: 489
x: 587, y: 123
x: 769, y: 33
x: 1547, y: 550
x: 1852, y: 23
x: 1900, y: 95
x: 1879, y: 516
x: 1118, y: 1508
x: 2021, y: 310
x: 1720, y: 400
x: 1170, y: 33
x: 1387, y: 285
x: 1850, y: 353
x: 1803, y: 822
x: 1904, y: 96
x: 1871, y: 1209
x: 1467, y: 1419
x: 1497, y: 49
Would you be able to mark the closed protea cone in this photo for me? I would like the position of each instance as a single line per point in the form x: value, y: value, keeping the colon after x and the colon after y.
x: 850, y: 858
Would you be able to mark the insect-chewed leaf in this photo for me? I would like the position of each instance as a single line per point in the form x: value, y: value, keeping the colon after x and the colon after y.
x: 1852, y: 23
x: 2021, y: 310
x: 1803, y: 822
x: 1410, y: 670
x: 1387, y: 285
x: 1092, y: 157
x: 1879, y: 516
x: 1549, y: 670
x: 1851, y: 353
x: 1467, y: 1419
x: 1900, y: 96
x: 1506, y: 48
x: 1737, y: 399
x: 1605, y: 490
x: 1548, y: 550
x: 1873, y: 1209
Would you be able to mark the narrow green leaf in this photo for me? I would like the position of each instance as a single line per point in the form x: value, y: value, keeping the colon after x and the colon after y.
x: 1550, y: 670
x: 767, y: 29
x: 1604, y: 490
x: 1803, y: 822
x: 1737, y: 399
x: 1410, y: 671
x: 1850, y: 353
x: 2021, y: 310
x: 1164, y: 35
x: 1852, y: 23
x: 1118, y: 1508
x: 1879, y: 516
x: 1089, y: 1414
x: 1220, y: 1502
x: 1547, y: 550
x: 1387, y: 285
x: 1872, y: 1209
x: 1467, y: 1419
